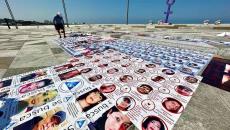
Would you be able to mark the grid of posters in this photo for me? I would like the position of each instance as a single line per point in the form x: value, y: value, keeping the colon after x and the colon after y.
x: 103, y: 90
x: 186, y: 61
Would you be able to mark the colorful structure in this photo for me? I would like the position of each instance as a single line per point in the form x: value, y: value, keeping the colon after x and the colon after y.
x: 168, y: 12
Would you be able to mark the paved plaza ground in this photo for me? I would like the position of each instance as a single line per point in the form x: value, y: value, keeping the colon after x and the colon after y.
x: 31, y: 48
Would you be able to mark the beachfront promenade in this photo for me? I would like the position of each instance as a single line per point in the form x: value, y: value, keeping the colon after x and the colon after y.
x: 32, y: 47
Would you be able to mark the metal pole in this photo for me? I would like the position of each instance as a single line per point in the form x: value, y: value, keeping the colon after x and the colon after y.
x: 11, y: 13
x: 66, y: 18
x: 127, y: 13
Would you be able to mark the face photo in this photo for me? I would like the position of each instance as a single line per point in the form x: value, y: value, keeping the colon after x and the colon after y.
x: 74, y: 60
x: 126, y: 78
x: 186, y: 70
x: 86, y: 70
x: 95, y: 78
x: 107, y: 88
x: 150, y: 65
x: 183, y: 90
x: 5, y: 83
x: 112, y: 71
x: 170, y: 65
x: 144, y: 89
x: 140, y: 71
x: 112, y: 119
x: 33, y: 75
x: 49, y: 121
x: 97, y: 60
x: 191, y: 79
x: 125, y: 103
x: 78, y: 64
x: 157, y: 61
x: 168, y: 71
x: 106, y: 57
x: 179, y: 61
x: 103, y: 65
x: 69, y: 74
x: 172, y: 105
x: 153, y: 123
x: 90, y: 99
x: 115, y: 61
x: 158, y: 79
x: 193, y: 65
x: 126, y: 57
x: 88, y: 56
x: 63, y: 67
x: 35, y: 85
x: 125, y: 65
x: 36, y: 100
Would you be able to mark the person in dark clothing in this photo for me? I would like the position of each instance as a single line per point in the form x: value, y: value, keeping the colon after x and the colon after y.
x: 59, y: 23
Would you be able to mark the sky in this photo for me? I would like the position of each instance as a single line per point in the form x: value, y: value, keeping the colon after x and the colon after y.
x: 114, y: 11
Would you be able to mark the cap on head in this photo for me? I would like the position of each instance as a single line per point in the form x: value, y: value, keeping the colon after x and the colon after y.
x: 58, y: 13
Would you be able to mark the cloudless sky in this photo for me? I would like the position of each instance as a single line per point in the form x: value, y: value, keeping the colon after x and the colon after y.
x: 114, y: 11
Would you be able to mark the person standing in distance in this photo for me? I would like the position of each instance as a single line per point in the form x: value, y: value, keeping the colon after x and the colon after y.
x: 59, y: 24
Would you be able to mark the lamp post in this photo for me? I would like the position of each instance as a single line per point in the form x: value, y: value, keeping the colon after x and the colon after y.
x: 127, y: 12
x: 11, y: 13
x: 66, y: 18
x: 168, y: 12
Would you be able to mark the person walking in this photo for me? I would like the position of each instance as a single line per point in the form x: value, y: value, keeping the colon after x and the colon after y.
x: 59, y: 24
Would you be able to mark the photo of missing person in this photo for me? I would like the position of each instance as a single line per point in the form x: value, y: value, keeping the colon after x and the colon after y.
x: 35, y: 85
x: 33, y: 75
x: 172, y: 105
x: 107, y: 88
x: 96, y: 60
x: 153, y: 123
x: 112, y: 71
x: 95, y: 78
x: 126, y: 57
x: 37, y: 100
x: 183, y: 90
x: 125, y: 65
x: 78, y: 64
x: 49, y: 121
x: 191, y: 79
x: 86, y: 70
x: 90, y: 99
x: 186, y: 70
x: 115, y: 61
x: 140, y: 71
x: 193, y: 65
x: 112, y: 119
x: 144, y: 89
x: 126, y: 78
x: 63, y: 67
x: 73, y: 60
x: 158, y: 79
x: 69, y: 74
x: 103, y: 65
x: 176, y: 60
x: 125, y: 103
x: 150, y: 65
x: 88, y: 56
x: 168, y: 71
x: 170, y: 65
x: 5, y: 83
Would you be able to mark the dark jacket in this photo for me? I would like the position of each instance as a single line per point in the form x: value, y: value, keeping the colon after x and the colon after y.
x: 58, y: 20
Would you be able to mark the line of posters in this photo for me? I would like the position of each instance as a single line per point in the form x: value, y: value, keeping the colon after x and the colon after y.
x: 106, y: 90
x: 186, y: 61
